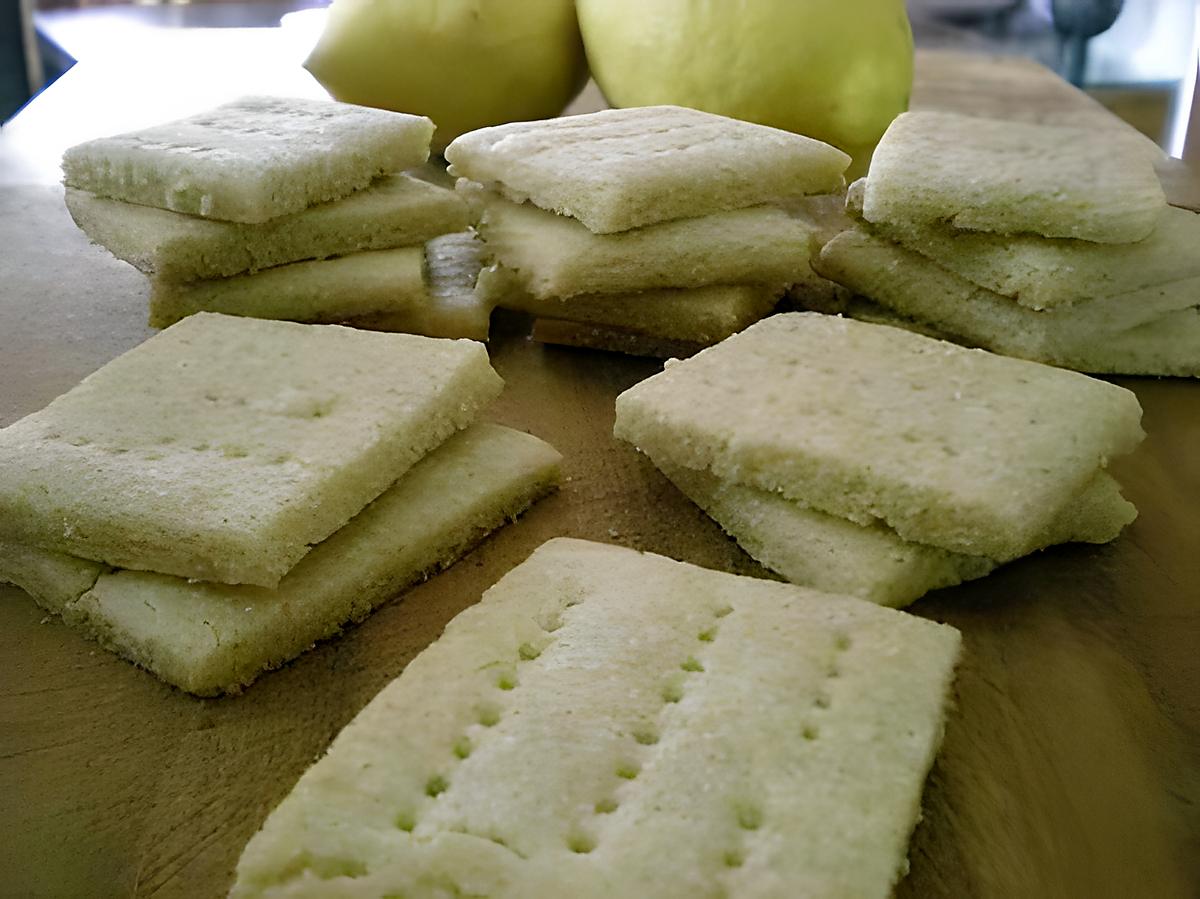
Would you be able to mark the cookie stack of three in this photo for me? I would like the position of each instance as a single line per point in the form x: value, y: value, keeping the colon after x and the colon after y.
x: 285, y: 209
x: 1037, y: 241
x: 654, y: 231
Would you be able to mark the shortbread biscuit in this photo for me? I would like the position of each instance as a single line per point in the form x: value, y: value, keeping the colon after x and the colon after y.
x: 610, y: 339
x: 53, y: 579
x: 1165, y: 347
x: 452, y: 306
x: 251, y: 160
x: 1168, y: 346
x: 1080, y: 336
x: 322, y: 291
x: 865, y: 310
x: 557, y: 258
x: 626, y: 168
x: 872, y: 562
x: 1046, y: 273
x: 702, y: 315
x: 224, y: 448
x: 1012, y: 177
x: 612, y: 723
x: 214, y: 638
x: 395, y: 211
x: 956, y: 448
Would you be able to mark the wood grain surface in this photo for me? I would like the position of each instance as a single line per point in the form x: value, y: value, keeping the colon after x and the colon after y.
x: 1071, y: 764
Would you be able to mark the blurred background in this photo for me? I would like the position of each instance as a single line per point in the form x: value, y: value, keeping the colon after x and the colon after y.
x: 1138, y: 57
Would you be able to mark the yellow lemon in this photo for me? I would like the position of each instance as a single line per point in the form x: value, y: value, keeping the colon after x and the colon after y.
x: 837, y: 71
x: 463, y: 63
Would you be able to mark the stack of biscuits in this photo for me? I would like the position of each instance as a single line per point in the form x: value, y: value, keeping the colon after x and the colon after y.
x: 867, y: 460
x: 653, y: 231
x: 219, y: 498
x: 283, y: 209
x: 1036, y: 241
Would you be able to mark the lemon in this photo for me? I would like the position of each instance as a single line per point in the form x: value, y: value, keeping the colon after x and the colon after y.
x: 837, y: 71
x: 463, y: 63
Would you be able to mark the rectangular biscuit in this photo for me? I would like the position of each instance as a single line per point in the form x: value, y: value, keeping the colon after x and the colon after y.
x: 956, y: 448
x: 214, y: 638
x: 321, y: 291
x: 1164, y: 347
x: 394, y: 211
x: 557, y: 257
x: 620, y: 169
x: 1168, y: 346
x: 1012, y: 177
x: 53, y: 579
x: 915, y: 287
x: 223, y: 448
x: 251, y: 160
x: 208, y: 639
x: 609, y: 339
x: 701, y: 315
x: 1046, y: 273
x: 606, y: 722
x: 452, y: 307
x: 871, y: 561
x: 865, y: 310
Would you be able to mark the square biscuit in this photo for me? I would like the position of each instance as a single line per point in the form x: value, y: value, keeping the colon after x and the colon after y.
x: 223, y: 448
x: 1048, y: 273
x: 451, y: 307
x: 319, y: 291
x: 1081, y: 336
x: 626, y: 168
x: 702, y: 315
x: 395, y: 211
x: 872, y: 562
x: 1165, y: 347
x: 612, y: 723
x: 251, y: 160
x: 610, y: 339
x: 53, y: 579
x: 956, y: 448
x: 1012, y: 177
x: 558, y: 258
x: 209, y: 639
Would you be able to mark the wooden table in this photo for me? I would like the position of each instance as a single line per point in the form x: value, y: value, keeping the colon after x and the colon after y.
x: 1071, y: 765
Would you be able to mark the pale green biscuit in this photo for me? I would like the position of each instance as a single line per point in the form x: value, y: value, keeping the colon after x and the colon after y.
x: 1045, y: 273
x: 251, y: 160
x: 703, y: 315
x: 452, y: 307
x: 1168, y: 346
x: 626, y: 168
x: 215, y: 638
x: 607, y: 723
x: 871, y: 561
x: 865, y: 310
x: 956, y: 448
x: 223, y: 448
x: 1081, y: 336
x: 462, y: 316
x: 610, y: 339
x: 557, y: 257
x: 53, y: 579
x: 395, y: 211
x: 322, y: 291
x: 1012, y: 177
x: 1165, y: 347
